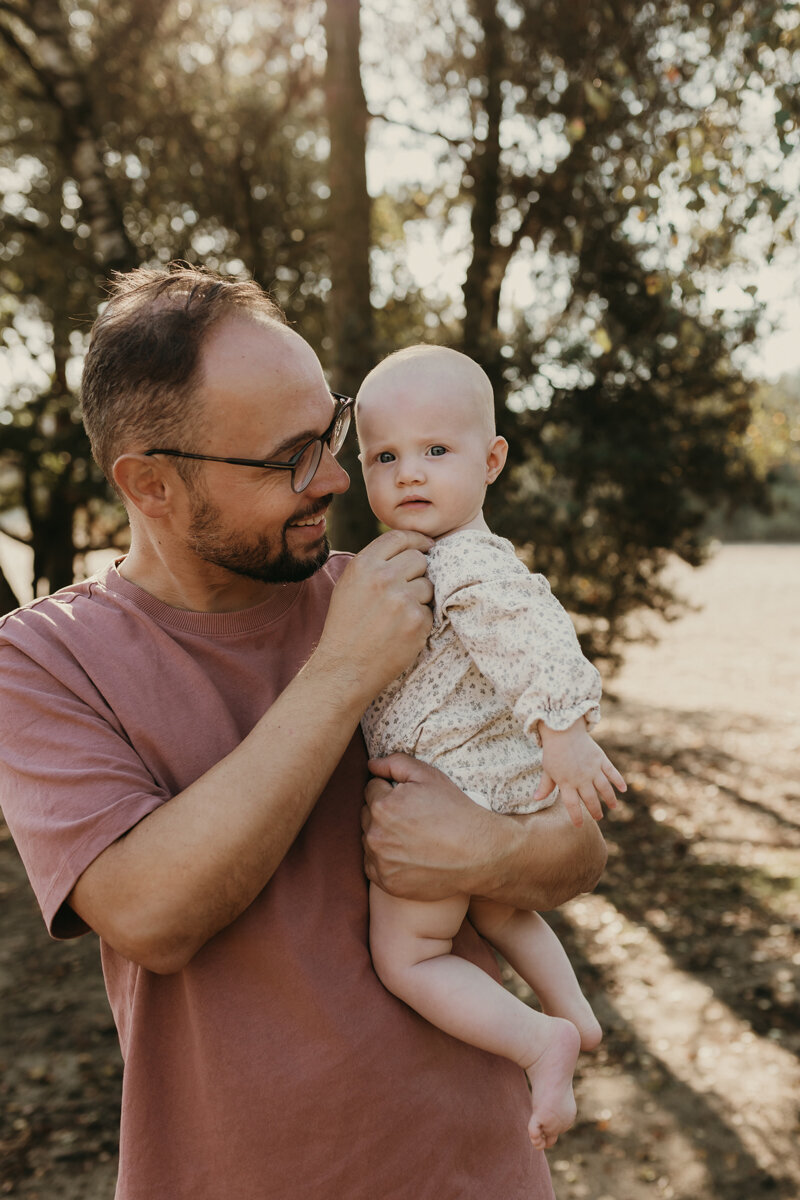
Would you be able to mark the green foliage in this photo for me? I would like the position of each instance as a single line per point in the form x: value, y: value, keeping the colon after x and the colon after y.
x: 772, y: 443
x: 137, y: 132
x: 594, y: 170
x: 612, y: 164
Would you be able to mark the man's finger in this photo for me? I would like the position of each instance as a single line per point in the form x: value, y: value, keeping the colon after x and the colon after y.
x: 398, y: 768
x: 409, y: 564
x: 397, y: 541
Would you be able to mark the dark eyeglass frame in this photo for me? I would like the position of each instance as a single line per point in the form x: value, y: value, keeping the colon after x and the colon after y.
x: 333, y: 438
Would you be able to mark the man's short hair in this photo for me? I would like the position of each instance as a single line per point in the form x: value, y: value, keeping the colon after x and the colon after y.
x: 144, y: 359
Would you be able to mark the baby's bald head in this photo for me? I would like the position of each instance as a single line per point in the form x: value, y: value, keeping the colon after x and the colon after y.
x: 456, y: 377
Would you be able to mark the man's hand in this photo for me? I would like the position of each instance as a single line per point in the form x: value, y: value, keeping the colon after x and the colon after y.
x: 573, y: 760
x: 380, y: 615
x: 418, y: 834
x: 425, y: 840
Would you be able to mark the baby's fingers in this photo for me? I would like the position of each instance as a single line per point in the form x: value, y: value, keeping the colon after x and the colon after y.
x: 546, y: 785
x: 606, y: 791
x: 572, y: 803
x: 611, y: 772
x: 590, y: 799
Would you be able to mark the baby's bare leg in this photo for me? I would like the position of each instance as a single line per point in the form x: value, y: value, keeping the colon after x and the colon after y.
x: 411, y: 944
x: 528, y: 943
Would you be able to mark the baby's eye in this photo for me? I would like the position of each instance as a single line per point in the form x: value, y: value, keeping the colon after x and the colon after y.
x: 385, y: 456
x: 437, y: 450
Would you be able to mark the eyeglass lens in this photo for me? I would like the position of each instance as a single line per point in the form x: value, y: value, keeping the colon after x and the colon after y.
x: 306, y: 466
x: 339, y: 431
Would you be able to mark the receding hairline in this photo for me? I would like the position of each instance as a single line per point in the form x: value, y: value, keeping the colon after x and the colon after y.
x: 453, y: 361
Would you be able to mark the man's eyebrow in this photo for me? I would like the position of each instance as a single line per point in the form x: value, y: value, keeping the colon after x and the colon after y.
x: 293, y: 443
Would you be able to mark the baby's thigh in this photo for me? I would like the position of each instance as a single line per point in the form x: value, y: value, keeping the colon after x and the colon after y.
x: 397, y: 918
x: 490, y: 917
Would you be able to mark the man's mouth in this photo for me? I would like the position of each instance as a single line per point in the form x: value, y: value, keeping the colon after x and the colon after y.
x: 314, y: 519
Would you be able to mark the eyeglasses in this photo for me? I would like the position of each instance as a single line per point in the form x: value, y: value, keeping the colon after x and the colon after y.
x: 303, y: 464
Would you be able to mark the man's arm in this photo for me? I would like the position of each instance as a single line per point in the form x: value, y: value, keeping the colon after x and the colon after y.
x: 183, y: 873
x: 424, y: 839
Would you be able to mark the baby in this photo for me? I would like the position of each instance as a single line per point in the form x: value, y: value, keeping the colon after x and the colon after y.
x: 500, y: 700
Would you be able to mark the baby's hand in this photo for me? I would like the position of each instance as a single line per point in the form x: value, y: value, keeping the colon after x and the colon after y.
x: 573, y: 760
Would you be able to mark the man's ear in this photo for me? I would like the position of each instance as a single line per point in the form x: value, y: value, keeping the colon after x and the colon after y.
x: 143, y: 482
x: 496, y: 458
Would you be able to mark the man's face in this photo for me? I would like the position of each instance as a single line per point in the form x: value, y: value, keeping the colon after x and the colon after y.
x: 264, y: 396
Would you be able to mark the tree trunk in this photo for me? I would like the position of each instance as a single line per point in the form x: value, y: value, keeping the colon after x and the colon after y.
x: 349, y: 311
x: 8, y: 597
x: 65, y: 82
x: 485, y: 273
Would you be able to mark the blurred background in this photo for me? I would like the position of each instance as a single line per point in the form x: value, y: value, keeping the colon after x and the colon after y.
x: 598, y: 201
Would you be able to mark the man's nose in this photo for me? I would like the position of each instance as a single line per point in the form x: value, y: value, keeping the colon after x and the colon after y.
x: 330, y: 476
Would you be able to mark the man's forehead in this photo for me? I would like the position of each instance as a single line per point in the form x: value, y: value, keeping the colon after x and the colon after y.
x: 247, y: 354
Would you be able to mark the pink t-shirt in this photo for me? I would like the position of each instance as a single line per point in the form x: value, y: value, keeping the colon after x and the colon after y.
x: 274, y: 1066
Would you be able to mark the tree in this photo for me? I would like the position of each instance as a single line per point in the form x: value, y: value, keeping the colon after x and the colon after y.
x: 603, y: 189
x: 135, y: 132
x: 350, y: 322
x: 597, y: 168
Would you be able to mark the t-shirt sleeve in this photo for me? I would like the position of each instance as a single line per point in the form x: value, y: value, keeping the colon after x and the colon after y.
x: 520, y: 637
x: 71, y: 784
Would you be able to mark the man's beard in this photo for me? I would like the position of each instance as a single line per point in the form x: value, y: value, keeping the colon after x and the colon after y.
x: 267, y: 559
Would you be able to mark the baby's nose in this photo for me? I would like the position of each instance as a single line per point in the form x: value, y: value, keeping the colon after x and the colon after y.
x: 410, y: 470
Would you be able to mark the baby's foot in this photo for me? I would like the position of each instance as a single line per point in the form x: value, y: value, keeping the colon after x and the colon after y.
x: 589, y: 1028
x: 578, y: 1010
x: 550, y: 1076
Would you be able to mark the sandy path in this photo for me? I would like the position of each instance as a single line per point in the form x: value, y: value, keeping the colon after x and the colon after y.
x: 689, y: 949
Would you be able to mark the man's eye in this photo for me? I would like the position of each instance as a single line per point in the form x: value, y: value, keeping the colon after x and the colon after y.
x: 385, y: 457
x: 437, y: 450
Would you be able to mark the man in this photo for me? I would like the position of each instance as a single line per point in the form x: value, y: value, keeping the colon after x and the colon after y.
x: 183, y: 773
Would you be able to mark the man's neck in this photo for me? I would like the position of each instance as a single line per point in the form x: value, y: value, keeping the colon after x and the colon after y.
x: 192, y: 585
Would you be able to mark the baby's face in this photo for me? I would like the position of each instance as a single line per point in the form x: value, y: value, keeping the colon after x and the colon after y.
x: 427, y: 450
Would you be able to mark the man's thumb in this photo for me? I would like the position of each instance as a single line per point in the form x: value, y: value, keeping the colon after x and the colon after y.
x: 397, y: 768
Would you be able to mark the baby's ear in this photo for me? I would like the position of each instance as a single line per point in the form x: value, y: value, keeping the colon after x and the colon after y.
x: 496, y: 458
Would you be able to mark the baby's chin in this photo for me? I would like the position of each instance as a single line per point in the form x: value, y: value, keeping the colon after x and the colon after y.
x: 415, y: 522
x: 431, y: 529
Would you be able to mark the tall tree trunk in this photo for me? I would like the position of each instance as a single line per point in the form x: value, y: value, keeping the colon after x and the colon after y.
x: 485, y: 273
x: 349, y: 311
x: 63, y: 79
x: 8, y: 597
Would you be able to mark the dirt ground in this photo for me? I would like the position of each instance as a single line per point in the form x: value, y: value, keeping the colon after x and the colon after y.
x: 689, y: 949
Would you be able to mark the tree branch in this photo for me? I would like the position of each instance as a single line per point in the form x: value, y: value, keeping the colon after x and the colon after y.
x: 456, y: 143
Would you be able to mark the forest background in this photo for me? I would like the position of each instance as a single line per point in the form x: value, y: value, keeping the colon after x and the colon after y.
x: 582, y: 197
x: 585, y: 198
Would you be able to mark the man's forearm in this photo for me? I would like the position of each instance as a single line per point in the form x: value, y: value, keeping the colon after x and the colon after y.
x: 184, y: 872
x: 540, y: 860
x: 425, y: 840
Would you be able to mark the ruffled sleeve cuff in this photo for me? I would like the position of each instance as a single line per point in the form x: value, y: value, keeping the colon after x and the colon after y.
x: 530, y: 709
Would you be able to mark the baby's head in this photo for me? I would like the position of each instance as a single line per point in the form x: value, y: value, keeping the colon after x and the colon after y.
x: 425, y: 421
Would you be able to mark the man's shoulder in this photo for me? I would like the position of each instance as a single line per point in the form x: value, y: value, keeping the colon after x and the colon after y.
x: 51, y: 624
x: 52, y: 610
